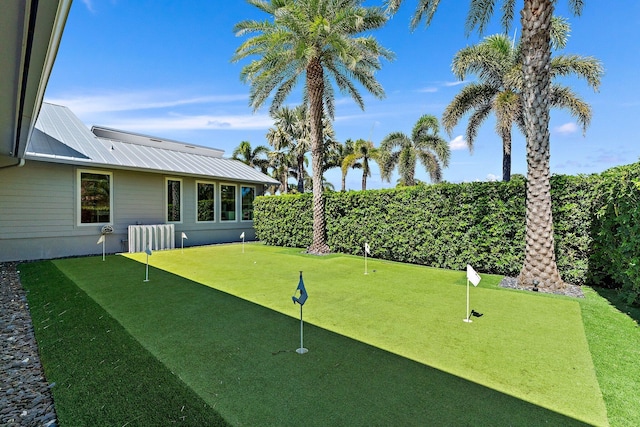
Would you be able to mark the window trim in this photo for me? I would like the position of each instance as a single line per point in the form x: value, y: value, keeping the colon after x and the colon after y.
x: 254, y: 198
x: 234, y: 185
x: 166, y: 200
x: 215, y: 204
x: 79, y: 173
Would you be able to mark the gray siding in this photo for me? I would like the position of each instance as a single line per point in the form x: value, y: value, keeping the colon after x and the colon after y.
x: 38, y: 212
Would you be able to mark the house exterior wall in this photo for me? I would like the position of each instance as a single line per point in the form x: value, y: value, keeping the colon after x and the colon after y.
x: 39, y: 211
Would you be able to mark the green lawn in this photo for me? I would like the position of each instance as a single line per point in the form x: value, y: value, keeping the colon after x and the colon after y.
x: 389, y: 347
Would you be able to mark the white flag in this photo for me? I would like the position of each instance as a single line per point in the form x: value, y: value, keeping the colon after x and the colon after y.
x: 472, y: 276
x: 100, y: 240
x: 184, y: 236
x: 242, y: 235
x: 367, y: 249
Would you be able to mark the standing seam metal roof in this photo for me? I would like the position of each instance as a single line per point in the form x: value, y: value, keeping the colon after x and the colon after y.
x: 61, y: 137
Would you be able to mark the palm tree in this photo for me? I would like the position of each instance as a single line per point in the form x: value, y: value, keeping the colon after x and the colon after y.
x: 282, y: 168
x: 497, y: 63
x: 252, y: 157
x: 363, y: 153
x: 336, y: 155
x: 291, y: 133
x: 540, y: 268
x: 403, y: 151
x: 317, y: 40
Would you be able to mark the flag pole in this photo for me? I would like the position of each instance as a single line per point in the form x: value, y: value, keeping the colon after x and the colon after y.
x: 467, y: 319
x: 301, y: 350
x: 103, y: 248
x: 365, y: 262
x: 146, y: 276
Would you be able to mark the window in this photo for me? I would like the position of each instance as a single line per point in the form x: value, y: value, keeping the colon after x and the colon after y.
x: 248, y: 194
x: 174, y: 200
x: 95, y: 197
x: 206, y: 206
x: 228, y: 202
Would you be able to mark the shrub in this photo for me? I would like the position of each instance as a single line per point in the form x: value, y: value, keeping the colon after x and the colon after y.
x: 443, y: 225
x: 615, y: 258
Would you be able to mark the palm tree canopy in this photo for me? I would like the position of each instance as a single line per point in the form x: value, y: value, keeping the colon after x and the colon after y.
x: 480, y: 13
x: 363, y: 152
x: 329, y: 31
x: 424, y: 144
x: 497, y: 64
x: 252, y: 157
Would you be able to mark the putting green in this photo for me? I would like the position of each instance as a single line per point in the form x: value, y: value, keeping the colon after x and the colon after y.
x: 530, y: 346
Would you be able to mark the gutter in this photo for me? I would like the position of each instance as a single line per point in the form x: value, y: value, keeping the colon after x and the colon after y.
x: 33, y: 12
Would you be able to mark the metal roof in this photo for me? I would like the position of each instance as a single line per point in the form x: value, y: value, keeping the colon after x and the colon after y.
x: 61, y: 137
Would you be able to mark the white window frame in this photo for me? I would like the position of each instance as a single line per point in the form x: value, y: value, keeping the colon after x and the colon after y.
x: 166, y: 200
x: 215, y: 202
x: 254, y: 198
x: 79, y: 173
x: 234, y: 185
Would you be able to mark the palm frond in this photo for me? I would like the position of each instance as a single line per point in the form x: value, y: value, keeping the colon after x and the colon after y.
x: 564, y: 97
x: 471, y: 97
x: 476, y: 119
x: 588, y: 68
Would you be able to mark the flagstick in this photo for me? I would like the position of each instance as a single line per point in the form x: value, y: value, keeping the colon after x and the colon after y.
x: 103, y: 248
x: 301, y: 350
x: 182, y: 246
x: 243, y: 247
x: 365, y: 262
x: 146, y: 277
x: 467, y: 319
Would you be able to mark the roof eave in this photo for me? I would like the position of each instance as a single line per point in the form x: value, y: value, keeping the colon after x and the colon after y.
x: 92, y: 164
x: 40, y: 25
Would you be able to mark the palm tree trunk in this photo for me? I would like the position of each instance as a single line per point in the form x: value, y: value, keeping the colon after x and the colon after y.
x: 365, y: 172
x: 315, y: 87
x: 410, y: 181
x: 301, y: 174
x: 284, y: 182
x: 540, y: 261
x: 344, y: 182
x: 506, y: 156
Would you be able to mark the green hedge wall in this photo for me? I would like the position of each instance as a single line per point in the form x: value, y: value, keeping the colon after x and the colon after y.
x: 615, y: 258
x: 443, y: 225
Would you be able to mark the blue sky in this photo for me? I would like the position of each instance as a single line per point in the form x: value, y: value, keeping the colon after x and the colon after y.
x: 163, y: 68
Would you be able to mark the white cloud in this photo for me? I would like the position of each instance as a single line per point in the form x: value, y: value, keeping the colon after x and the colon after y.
x: 567, y: 128
x: 456, y: 83
x: 154, y: 111
x: 458, y: 143
x: 195, y: 122
x: 492, y: 178
x: 89, y: 5
x: 428, y: 90
x: 132, y: 101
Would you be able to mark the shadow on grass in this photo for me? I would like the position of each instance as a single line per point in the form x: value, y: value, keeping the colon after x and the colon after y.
x: 615, y: 298
x: 240, y: 358
x: 101, y: 375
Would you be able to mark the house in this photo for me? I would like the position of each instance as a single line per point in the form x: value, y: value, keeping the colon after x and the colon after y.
x: 76, y: 184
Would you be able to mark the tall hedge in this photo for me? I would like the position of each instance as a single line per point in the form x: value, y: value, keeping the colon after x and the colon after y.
x: 615, y: 258
x: 443, y: 225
